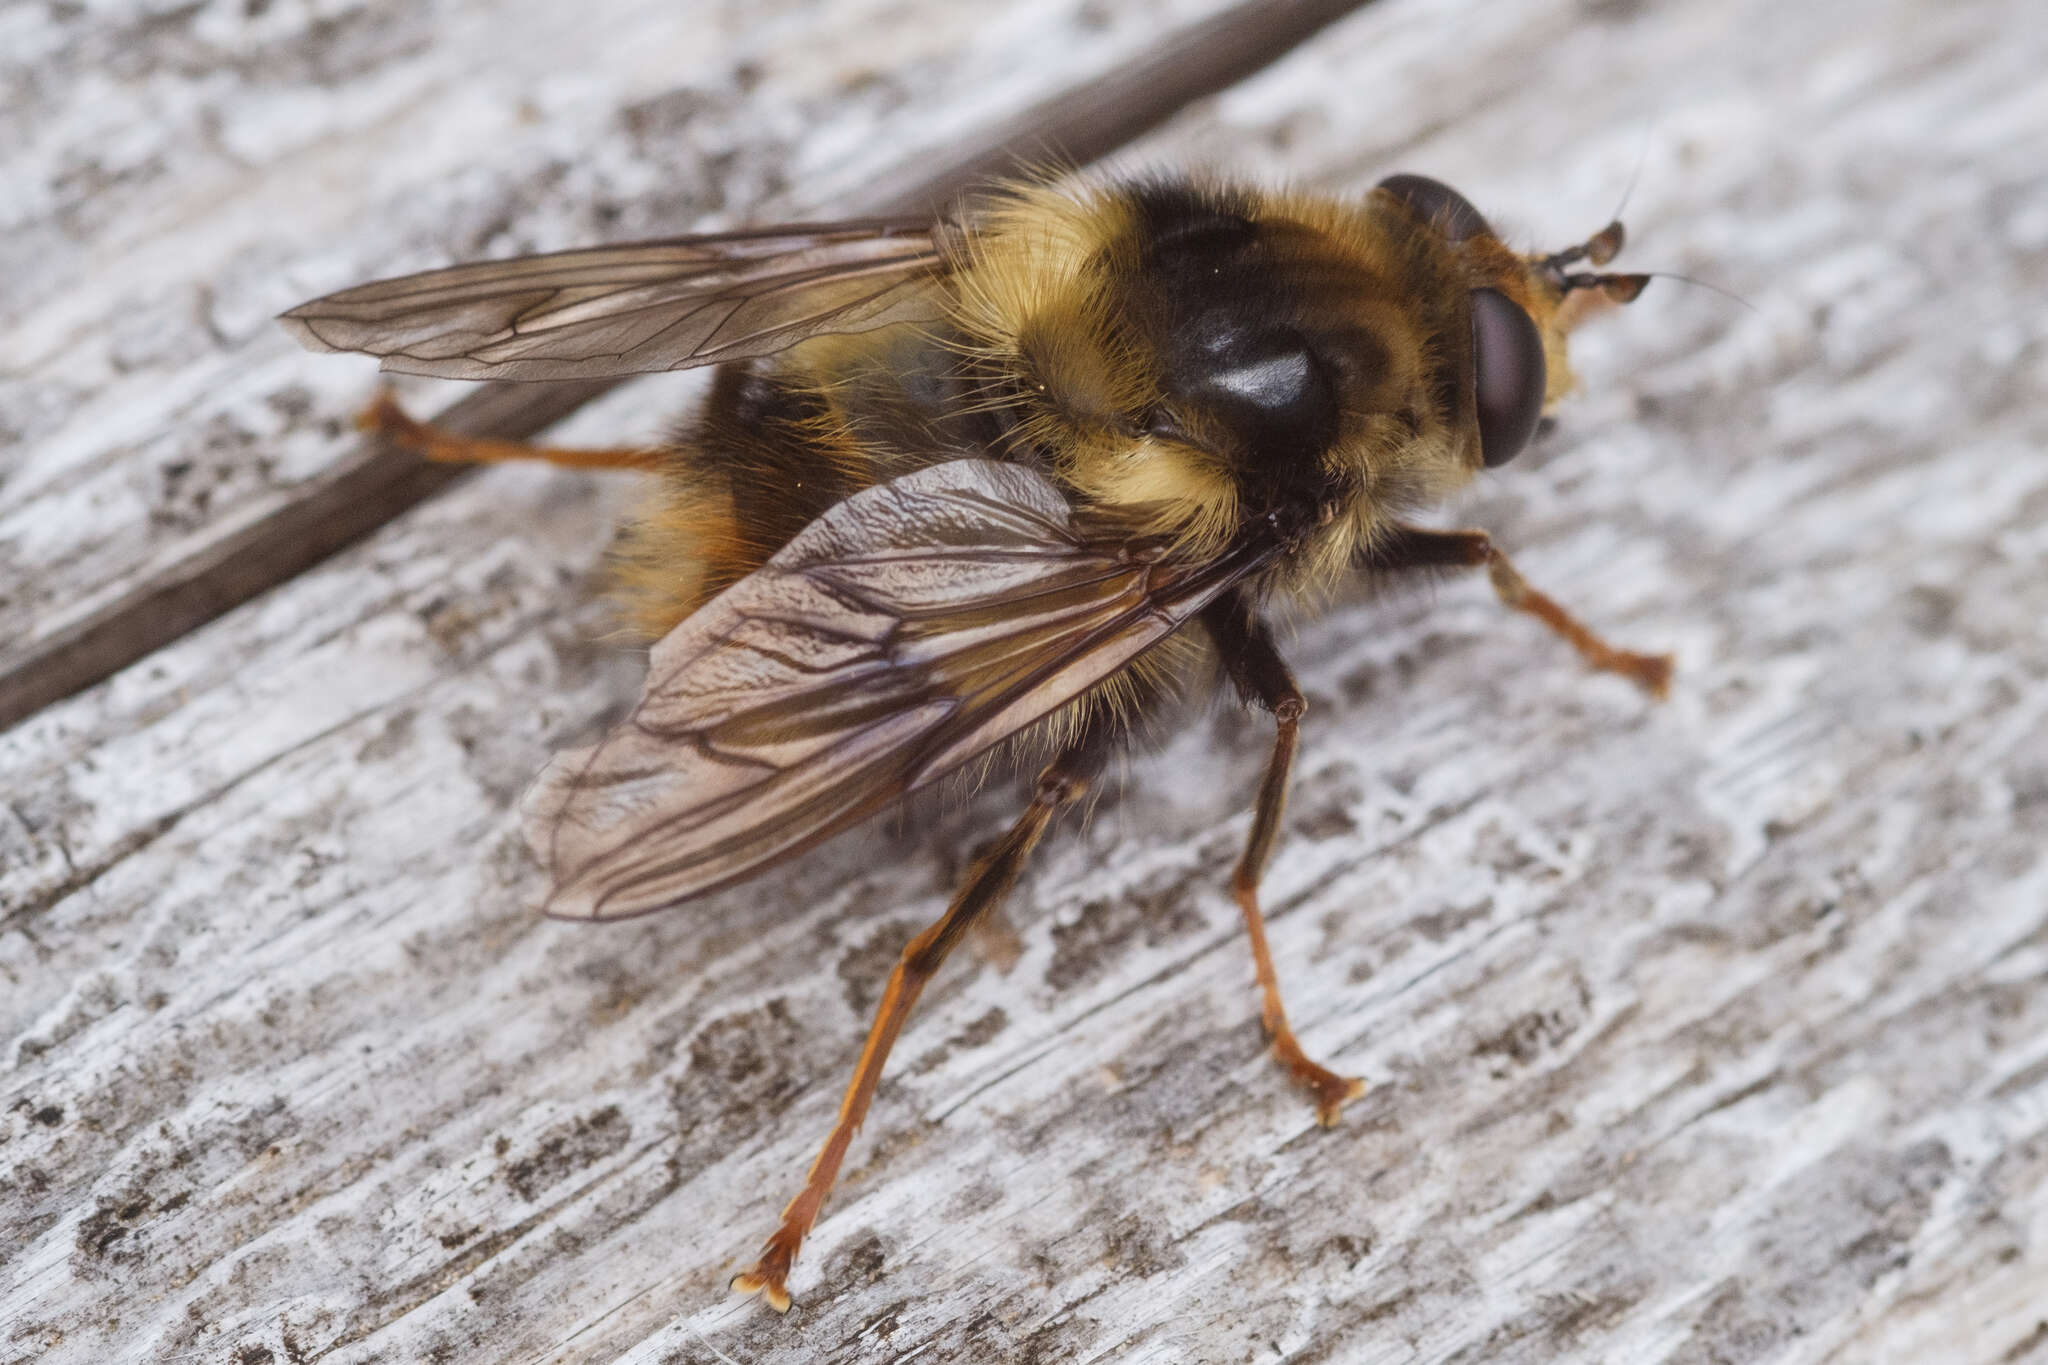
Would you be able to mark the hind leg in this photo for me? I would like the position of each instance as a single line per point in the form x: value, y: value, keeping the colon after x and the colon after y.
x: 386, y: 419
x: 1064, y: 781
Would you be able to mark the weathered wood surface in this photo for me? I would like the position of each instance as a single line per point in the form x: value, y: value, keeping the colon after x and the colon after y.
x: 1711, y: 1031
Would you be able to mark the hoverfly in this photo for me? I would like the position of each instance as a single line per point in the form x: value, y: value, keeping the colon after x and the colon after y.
x: 992, y: 485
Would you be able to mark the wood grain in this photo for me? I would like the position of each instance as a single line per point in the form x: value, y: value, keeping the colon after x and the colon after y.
x: 1714, y: 1031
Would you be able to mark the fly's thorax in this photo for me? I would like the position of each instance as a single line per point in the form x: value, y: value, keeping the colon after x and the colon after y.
x: 1200, y: 357
x: 1038, y: 301
x: 893, y: 399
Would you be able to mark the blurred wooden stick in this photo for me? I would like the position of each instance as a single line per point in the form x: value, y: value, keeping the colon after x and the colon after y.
x: 372, y: 485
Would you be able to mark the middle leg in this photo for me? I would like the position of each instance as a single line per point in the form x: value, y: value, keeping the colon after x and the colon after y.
x: 1245, y: 645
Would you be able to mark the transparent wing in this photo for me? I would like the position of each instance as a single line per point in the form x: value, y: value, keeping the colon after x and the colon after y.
x: 637, y: 308
x: 902, y: 633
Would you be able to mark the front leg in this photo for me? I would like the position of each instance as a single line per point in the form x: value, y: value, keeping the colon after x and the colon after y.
x: 1245, y: 645
x: 1415, y: 547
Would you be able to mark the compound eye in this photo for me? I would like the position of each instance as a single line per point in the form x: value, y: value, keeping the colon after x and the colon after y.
x: 1439, y: 205
x: 1507, y: 358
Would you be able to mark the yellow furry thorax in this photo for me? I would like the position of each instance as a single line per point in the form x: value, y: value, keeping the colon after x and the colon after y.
x: 1039, y: 301
x: 1047, y: 321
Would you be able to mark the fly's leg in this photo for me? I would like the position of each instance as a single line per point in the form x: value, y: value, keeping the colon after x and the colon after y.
x: 1245, y: 645
x: 1062, y: 783
x: 385, y: 418
x: 1413, y: 547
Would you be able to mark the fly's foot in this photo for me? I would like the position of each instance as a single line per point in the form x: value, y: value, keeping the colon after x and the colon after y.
x: 1330, y: 1090
x: 770, y: 1276
x: 385, y: 418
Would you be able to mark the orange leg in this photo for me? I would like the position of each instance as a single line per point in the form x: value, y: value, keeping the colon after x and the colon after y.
x: 1062, y: 783
x: 1412, y: 547
x: 386, y: 419
x: 1651, y: 672
x: 1329, y: 1089
x: 1244, y: 645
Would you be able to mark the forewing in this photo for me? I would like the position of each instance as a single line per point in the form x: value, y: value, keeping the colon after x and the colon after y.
x: 900, y: 634
x: 638, y: 308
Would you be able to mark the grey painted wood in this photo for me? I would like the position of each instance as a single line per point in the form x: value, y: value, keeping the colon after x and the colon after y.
x: 1709, y: 1031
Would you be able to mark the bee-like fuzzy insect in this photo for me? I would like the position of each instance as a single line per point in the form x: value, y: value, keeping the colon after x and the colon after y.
x: 964, y: 486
